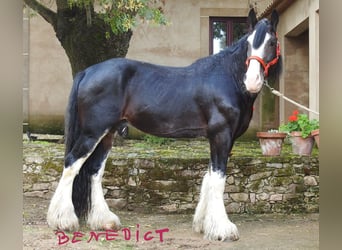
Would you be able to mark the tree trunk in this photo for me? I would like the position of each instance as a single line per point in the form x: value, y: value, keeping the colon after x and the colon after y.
x: 86, y: 44
x: 82, y: 34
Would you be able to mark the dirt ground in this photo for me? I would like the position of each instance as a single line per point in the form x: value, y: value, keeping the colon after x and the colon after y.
x: 267, y: 231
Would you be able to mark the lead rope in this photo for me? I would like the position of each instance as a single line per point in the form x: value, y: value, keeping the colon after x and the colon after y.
x: 277, y: 93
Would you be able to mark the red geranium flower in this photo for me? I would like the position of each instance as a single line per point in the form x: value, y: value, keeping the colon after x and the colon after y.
x: 293, y: 118
x: 299, y: 122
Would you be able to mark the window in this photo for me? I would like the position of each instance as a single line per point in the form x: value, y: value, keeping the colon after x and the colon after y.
x: 224, y: 31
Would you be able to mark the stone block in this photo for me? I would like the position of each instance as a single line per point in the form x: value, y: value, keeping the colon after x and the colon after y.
x: 230, y: 180
x: 288, y: 171
x: 186, y: 206
x: 131, y: 182
x: 274, y: 165
x: 252, y: 197
x: 117, y: 203
x: 290, y: 197
x: 233, y: 207
x: 276, y: 197
x: 41, y: 194
x: 187, y: 173
x: 169, y: 207
x: 255, y: 186
x: 40, y: 186
x: 239, y: 197
x: 232, y: 189
x: 280, y: 181
x: 119, y: 163
x: 309, y: 194
x: 263, y: 196
x: 34, y: 159
x: 254, y: 162
x: 259, y: 176
x: 310, y: 181
x: 115, y: 193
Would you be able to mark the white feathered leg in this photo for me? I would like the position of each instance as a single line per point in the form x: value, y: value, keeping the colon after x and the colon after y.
x: 201, y: 208
x: 100, y: 217
x: 211, y: 217
x: 61, y: 213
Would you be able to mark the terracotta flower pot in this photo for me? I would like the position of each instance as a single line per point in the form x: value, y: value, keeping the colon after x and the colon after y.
x: 315, y: 134
x: 271, y: 143
x: 300, y: 145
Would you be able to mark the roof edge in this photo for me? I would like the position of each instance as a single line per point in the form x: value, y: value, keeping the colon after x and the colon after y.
x: 279, y: 5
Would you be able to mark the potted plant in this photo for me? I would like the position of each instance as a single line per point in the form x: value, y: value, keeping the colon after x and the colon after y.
x: 299, y: 128
x: 271, y: 142
x: 315, y: 134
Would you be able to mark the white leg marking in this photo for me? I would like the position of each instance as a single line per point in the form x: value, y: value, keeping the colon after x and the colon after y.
x: 212, y: 218
x: 61, y: 213
x: 100, y: 217
x: 201, y: 207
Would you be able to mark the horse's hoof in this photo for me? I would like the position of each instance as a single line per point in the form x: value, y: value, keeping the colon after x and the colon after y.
x: 112, y: 226
x: 107, y: 221
x: 63, y: 222
x: 226, y: 231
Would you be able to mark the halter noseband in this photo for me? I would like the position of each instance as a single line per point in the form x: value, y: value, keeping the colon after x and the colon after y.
x: 266, y: 66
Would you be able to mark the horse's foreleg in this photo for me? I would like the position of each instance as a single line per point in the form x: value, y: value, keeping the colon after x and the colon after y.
x: 201, y: 208
x: 100, y: 217
x: 210, y: 216
x: 216, y: 224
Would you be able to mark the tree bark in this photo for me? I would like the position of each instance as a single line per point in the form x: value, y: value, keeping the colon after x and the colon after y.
x: 84, y: 42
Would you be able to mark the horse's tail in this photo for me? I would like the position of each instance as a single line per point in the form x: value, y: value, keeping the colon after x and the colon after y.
x: 72, y: 126
x: 81, y: 189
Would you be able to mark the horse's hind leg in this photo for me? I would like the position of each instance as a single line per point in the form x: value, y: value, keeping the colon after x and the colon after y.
x: 61, y: 213
x: 99, y: 216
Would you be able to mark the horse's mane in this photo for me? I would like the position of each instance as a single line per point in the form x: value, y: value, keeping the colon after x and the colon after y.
x: 233, y: 57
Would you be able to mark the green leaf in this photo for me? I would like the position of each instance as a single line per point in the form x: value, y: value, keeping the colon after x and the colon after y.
x: 122, y: 15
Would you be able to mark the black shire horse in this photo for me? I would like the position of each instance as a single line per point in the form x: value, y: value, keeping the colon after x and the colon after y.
x: 213, y: 97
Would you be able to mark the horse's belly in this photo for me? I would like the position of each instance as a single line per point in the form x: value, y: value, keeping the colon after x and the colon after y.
x: 170, y: 114
x: 163, y: 125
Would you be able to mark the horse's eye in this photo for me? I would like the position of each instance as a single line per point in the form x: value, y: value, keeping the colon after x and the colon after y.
x: 272, y: 43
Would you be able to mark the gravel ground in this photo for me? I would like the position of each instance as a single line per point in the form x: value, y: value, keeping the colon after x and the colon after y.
x: 267, y: 231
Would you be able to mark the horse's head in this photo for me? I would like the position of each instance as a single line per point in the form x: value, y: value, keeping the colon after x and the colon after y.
x: 263, y: 50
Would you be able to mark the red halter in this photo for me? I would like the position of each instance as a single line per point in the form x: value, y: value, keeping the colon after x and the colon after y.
x: 266, y: 66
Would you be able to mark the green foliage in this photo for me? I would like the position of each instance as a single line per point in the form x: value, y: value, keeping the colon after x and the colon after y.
x: 123, y: 15
x: 301, y: 123
x: 154, y: 140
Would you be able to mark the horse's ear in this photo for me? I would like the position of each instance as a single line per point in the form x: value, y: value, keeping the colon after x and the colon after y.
x: 274, y: 20
x: 251, y: 20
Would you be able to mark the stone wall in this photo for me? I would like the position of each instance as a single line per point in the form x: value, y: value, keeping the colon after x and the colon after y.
x: 254, y: 184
